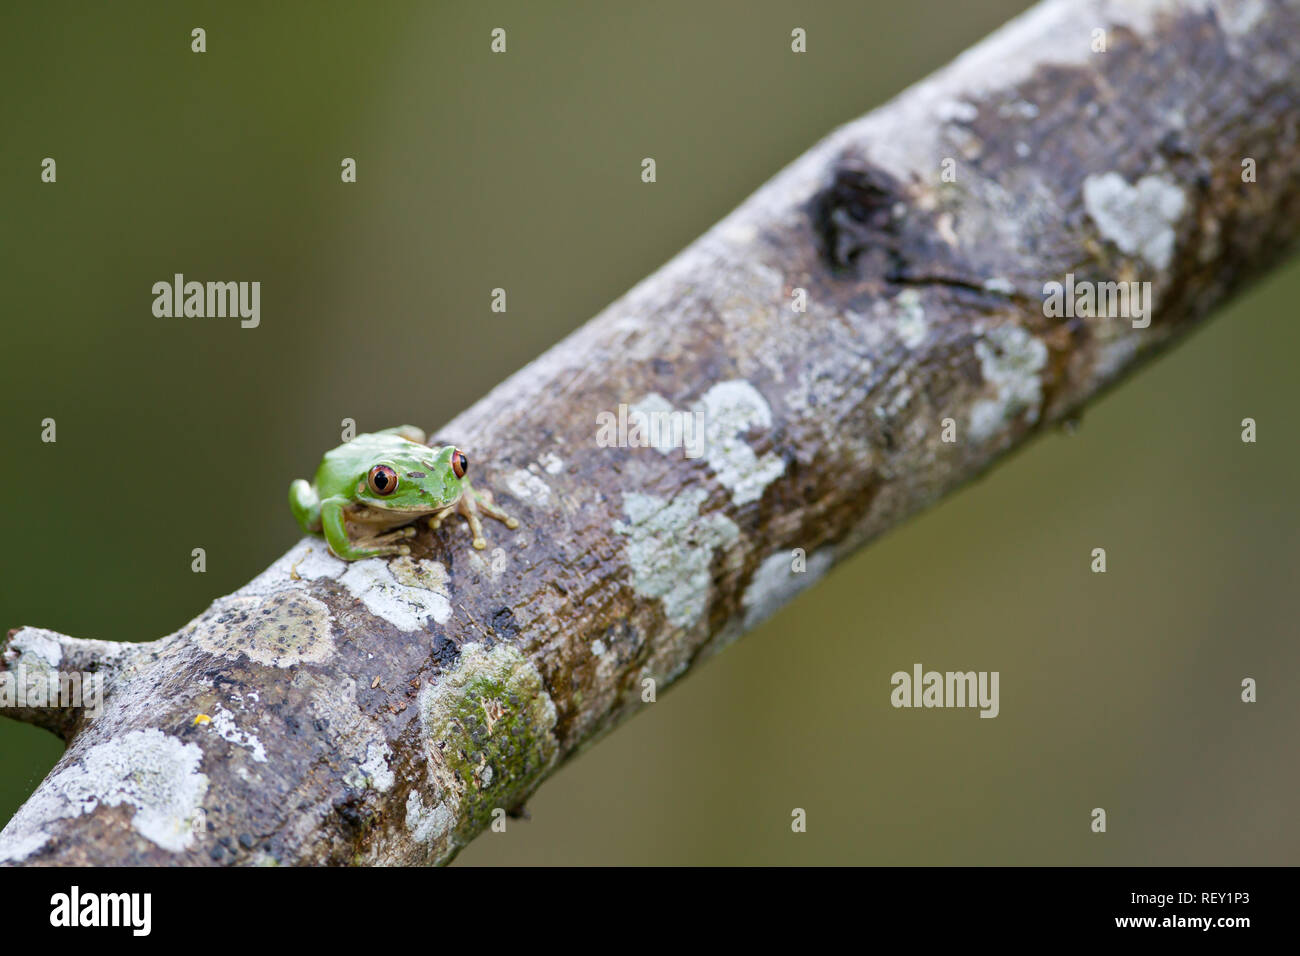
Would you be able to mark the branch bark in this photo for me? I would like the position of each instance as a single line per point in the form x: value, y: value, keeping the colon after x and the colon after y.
x: 386, y: 711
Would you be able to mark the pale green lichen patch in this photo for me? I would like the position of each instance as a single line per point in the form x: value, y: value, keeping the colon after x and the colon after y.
x: 730, y: 410
x: 489, y: 730
x: 670, y: 546
x: 404, y: 592
x: 1138, y: 219
x: 1012, y: 361
x: 424, y: 574
x: 279, y: 630
x: 661, y: 439
x: 151, y: 771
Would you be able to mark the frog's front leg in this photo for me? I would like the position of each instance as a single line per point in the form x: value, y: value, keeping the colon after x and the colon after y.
x: 336, y: 534
x: 305, y: 506
x: 471, y: 503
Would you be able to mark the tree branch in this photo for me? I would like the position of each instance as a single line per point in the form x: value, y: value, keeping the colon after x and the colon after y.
x: 386, y: 711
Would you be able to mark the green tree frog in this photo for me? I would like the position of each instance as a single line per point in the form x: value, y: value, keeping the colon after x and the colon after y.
x: 375, y: 483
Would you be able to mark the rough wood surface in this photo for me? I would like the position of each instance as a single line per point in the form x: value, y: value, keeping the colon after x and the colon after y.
x: 383, y: 711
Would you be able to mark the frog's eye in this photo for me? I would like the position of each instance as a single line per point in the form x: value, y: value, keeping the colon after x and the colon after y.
x: 382, y: 480
x: 459, y: 463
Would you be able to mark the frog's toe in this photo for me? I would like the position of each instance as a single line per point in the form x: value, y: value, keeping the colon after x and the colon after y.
x: 404, y: 549
x: 408, y: 532
x: 480, y: 544
x: 512, y: 522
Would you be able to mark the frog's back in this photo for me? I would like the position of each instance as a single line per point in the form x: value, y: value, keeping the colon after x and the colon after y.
x: 344, y: 466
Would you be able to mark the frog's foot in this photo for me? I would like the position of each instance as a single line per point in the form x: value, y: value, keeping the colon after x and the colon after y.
x: 392, y: 542
x: 486, y: 506
x: 470, y: 505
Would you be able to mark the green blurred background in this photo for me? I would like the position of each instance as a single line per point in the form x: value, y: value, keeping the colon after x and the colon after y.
x: 522, y: 171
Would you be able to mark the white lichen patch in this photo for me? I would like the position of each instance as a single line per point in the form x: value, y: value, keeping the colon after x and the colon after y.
x: 37, y: 652
x: 155, y: 773
x: 16, y: 848
x: 278, y: 630
x: 551, y: 463
x: 308, y: 560
x: 37, y: 645
x: 670, y: 547
x: 730, y: 410
x: 776, y: 582
x: 224, y: 726
x: 526, y: 486
x: 910, y: 323
x: 403, y: 592
x: 373, y: 772
x: 727, y: 410
x: 1138, y: 219
x: 1011, y: 360
x: 425, y: 823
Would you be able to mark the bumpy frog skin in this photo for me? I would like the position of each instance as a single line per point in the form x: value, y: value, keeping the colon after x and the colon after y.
x: 383, y: 481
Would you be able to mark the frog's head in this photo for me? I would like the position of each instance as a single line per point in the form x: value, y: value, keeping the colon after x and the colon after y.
x: 415, y: 479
